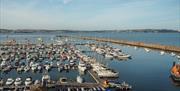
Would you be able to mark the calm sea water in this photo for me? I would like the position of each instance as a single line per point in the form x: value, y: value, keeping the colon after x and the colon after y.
x: 145, y: 71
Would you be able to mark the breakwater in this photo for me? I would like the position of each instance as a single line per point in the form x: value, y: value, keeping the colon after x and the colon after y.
x: 132, y: 43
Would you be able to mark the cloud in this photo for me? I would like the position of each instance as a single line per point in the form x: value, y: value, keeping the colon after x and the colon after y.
x: 66, y: 1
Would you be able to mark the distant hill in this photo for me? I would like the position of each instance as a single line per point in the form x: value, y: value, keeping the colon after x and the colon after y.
x: 99, y: 31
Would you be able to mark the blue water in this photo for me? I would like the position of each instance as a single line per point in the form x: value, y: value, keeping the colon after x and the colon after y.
x: 157, y: 38
x: 145, y: 71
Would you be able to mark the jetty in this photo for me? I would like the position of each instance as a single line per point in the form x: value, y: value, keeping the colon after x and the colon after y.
x: 132, y: 43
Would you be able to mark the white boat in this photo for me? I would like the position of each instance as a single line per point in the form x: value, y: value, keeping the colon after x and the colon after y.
x: 33, y: 67
x: 47, y: 67
x: 28, y: 81
x: 46, y: 77
x: 107, y: 73
x: 123, y: 56
x: 71, y: 62
x: 39, y: 67
x: 109, y: 56
x: 79, y: 79
x: 135, y: 47
x: 3, y: 63
x: 82, y: 66
x: 147, y: 50
x: 26, y: 68
x: 59, y: 63
x: 173, y: 54
x: 36, y: 82
x: 18, y: 81
x: 60, y: 68
x: 162, y: 53
x: 9, y: 81
x: 178, y: 56
x: 1, y: 81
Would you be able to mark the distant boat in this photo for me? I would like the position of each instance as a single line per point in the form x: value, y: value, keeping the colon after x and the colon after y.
x: 147, y: 50
x: 162, y: 53
x: 135, y: 47
x: 173, y: 54
x: 175, y: 71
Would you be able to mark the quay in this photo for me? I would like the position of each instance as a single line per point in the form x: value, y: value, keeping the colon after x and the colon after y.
x: 53, y: 85
x: 132, y: 43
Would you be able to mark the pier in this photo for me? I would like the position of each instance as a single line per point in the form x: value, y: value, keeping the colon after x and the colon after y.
x: 132, y: 43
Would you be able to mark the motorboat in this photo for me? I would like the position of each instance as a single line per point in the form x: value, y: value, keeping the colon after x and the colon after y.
x: 18, y: 81
x: 82, y: 66
x: 79, y: 79
x: 39, y: 67
x: 28, y: 81
x: 9, y: 81
x: 175, y: 71
x: 147, y: 50
x: 107, y: 74
x: 26, y: 68
x: 36, y: 82
x: 60, y: 68
x: 46, y: 77
x: 109, y: 56
x: 63, y: 80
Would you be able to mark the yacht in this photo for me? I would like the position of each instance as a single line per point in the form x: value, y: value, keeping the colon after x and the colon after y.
x: 71, y: 62
x: 1, y: 81
x: 124, y: 86
x: 9, y: 81
x: 79, y: 79
x: 39, y: 67
x: 18, y: 81
x: 60, y: 68
x: 107, y: 74
x: 28, y: 81
x: 82, y: 66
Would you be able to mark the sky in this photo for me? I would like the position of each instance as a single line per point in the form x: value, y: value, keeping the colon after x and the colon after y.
x: 90, y: 14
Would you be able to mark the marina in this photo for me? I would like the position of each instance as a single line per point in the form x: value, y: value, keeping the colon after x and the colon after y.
x: 42, y: 58
x: 65, y: 63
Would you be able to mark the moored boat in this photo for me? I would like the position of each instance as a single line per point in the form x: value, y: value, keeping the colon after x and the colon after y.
x: 9, y: 81
x: 18, y: 81
x: 175, y: 72
x: 79, y: 79
x: 28, y: 81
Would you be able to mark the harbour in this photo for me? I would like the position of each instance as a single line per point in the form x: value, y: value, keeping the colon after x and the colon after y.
x: 42, y: 58
x: 95, y: 53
